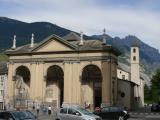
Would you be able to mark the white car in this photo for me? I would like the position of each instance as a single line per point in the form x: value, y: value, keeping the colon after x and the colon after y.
x: 76, y: 113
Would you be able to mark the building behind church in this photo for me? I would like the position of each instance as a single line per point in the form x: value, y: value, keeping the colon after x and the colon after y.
x: 3, y: 83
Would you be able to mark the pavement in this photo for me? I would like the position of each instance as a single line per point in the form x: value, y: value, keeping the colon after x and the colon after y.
x: 133, y: 116
x: 144, y: 116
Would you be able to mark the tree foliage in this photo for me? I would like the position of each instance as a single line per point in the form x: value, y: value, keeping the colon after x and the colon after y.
x: 147, y: 94
x: 3, y: 57
x: 155, y: 88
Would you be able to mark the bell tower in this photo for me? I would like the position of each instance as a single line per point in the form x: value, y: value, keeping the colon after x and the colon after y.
x: 134, y: 60
x: 135, y: 75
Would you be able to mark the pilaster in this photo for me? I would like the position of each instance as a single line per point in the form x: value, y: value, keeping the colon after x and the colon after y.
x: 10, y: 82
x: 106, y: 83
x: 33, y: 81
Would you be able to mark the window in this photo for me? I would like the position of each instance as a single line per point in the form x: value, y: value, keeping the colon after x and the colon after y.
x: 73, y: 112
x: 123, y: 77
x: 134, y: 58
x: 122, y: 94
x: 1, y: 82
x: 105, y: 110
x: 113, y: 109
x: 134, y: 50
x: 1, y: 92
x: 64, y: 111
x: 2, y: 78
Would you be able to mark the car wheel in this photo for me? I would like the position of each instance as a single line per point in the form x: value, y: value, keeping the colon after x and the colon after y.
x: 120, y: 118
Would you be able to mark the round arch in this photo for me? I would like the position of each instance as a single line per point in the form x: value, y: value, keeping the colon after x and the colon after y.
x: 55, y: 85
x: 92, y: 81
x: 24, y: 72
x: 22, y: 86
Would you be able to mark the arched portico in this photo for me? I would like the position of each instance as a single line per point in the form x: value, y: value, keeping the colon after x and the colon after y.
x: 91, y: 85
x: 54, y: 85
x: 22, y: 86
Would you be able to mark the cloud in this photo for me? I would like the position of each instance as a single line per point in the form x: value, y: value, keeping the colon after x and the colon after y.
x: 91, y: 17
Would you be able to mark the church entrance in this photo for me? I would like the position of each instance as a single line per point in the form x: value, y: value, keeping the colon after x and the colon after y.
x: 92, y: 85
x: 55, y: 86
x: 22, y: 86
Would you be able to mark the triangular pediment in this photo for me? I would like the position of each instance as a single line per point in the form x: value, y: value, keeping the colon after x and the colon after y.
x: 54, y: 44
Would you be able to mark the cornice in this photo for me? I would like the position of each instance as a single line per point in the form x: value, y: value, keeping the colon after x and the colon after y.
x: 66, y: 59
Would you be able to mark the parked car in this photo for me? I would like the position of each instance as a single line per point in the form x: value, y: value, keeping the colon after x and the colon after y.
x: 155, y: 107
x: 76, y: 113
x: 17, y: 115
x: 112, y: 113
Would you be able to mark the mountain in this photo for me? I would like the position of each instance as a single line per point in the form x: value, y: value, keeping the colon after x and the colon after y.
x: 23, y: 31
x: 150, y: 57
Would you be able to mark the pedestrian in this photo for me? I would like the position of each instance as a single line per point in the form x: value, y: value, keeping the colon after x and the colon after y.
x: 4, y: 107
x: 44, y: 109
x: 38, y: 107
x: 49, y: 110
x: 33, y: 107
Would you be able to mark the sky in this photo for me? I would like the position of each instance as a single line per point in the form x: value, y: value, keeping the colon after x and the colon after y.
x: 119, y: 17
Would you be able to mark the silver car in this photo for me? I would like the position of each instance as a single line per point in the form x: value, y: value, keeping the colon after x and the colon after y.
x: 76, y: 113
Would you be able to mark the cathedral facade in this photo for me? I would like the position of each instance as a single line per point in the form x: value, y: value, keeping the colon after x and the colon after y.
x: 68, y: 70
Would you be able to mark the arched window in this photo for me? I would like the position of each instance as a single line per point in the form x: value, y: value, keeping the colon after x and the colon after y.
x: 134, y: 50
x: 134, y: 58
x: 122, y: 94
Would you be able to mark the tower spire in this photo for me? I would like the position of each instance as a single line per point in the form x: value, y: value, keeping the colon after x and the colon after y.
x: 104, y: 36
x: 14, y: 42
x: 81, y: 38
x: 32, y: 41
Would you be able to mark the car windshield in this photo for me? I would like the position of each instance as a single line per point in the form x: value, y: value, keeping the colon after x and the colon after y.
x: 21, y: 115
x: 84, y: 111
x: 29, y: 114
x: 115, y: 108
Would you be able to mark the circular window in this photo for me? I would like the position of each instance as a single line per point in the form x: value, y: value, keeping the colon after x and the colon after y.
x: 122, y: 94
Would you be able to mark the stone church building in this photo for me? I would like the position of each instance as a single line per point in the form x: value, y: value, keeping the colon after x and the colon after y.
x: 68, y: 70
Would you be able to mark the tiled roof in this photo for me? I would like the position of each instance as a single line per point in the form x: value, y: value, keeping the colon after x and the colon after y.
x: 21, y: 49
x: 88, y: 45
x: 72, y: 37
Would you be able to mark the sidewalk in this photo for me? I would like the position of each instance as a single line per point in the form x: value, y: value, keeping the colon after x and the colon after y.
x: 45, y: 116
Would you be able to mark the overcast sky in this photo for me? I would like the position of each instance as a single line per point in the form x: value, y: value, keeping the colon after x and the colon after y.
x: 120, y: 17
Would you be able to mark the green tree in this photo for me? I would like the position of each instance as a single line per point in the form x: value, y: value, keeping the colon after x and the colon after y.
x: 147, y: 94
x: 156, y: 86
x: 3, y: 57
